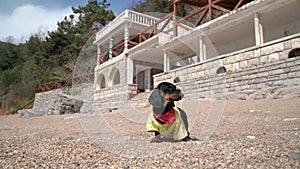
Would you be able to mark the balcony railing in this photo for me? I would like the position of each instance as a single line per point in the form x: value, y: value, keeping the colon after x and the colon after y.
x: 64, y: 83
x: 154, y: 26
x: 130, y: 16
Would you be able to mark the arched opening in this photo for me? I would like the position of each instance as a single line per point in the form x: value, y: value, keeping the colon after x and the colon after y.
x: 103, y: 83
x: 221, y: 69
x: 294, y: 53
x: 100, y: 83
x: 114, y: 77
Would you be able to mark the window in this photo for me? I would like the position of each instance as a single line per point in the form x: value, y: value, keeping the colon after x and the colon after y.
x: 294, y: 53
x: 221, y: 70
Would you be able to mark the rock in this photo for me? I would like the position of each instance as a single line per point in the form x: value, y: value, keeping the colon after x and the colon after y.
x: 126, y: 166
x: 63, y: 105
x: 132, y: 157
x: 283, y: 137
x: 251, y: 111
x: 285, y: 129
x: 295, y: 156
x: 291, y: 119
x: 251, y: 137
x: 77, y: 106
x: 204, y: 148
x: 30, y: 113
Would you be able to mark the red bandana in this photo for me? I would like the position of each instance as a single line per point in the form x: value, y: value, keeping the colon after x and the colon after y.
x: 167, y: 117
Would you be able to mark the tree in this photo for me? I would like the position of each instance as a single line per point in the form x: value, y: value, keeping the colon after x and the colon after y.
x: 161, y: 6
x: 93, y: 12
x: 8, y: 56
x: 40, y: 59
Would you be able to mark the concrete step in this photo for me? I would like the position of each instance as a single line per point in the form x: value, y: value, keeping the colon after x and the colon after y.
x: 141, y: 96
x: 140, y: 100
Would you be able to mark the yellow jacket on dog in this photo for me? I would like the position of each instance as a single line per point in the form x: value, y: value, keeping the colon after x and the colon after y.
x: 176, y: 130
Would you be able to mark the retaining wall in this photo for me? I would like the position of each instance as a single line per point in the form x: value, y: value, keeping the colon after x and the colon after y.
x: 113, y: 97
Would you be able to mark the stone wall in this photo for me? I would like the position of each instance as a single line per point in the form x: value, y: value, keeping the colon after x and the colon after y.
x: 52, y: 102
x: 112, y: 97
x: 256, y: 73
x: 44, y: 101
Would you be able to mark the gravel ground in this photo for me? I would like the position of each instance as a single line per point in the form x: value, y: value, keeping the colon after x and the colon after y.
x: 251, y: 134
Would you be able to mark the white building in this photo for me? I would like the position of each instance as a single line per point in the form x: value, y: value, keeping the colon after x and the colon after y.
x: 243, y: 52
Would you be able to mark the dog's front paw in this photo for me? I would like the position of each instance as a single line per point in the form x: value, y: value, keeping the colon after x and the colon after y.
x: 156, y: 139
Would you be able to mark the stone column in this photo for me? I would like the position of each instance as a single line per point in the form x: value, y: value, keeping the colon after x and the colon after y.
x: 148, y: 79
x: 99, y: 52
x: 129, y: 69
x: 111, y: 46
x: 259, y: 38
x: 202, y: 49
x: 126, y: 38
x: 166, y: 61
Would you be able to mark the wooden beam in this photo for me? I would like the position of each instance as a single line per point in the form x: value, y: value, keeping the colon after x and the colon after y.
x: 201, y: 17
x: 177, y: 1
x: 143, y: 37
x: 175, y: 20
x: 165, y: 24
x: 220, y: 8
x: 217, y: 1
x: 238, y: 4
x: 140, y: 37
x: 133, y: 43
x: 193, y: 14
x: 184, y: 26
x: 210, y: 10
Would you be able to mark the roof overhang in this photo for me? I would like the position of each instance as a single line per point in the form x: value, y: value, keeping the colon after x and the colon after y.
x: 226, y: 21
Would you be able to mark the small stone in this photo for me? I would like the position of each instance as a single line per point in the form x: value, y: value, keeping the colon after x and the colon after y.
x: 204, y: 148
x: 251, y: 111
x: 126, y: 166
x: 295, y: 156
x: 291, y: 119
x: 132, y: 157
x: 251, y: 137
x: 283, y: 137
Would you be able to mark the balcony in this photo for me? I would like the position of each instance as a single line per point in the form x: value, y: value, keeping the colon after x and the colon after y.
x: 140, y: 28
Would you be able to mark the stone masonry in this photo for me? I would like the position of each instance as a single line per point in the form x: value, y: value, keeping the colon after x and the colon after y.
x: 52, y: 102
x: 257, y: 73
x: 113, y: 97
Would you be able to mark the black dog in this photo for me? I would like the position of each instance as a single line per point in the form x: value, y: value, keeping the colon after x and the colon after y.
x: 165, y: 114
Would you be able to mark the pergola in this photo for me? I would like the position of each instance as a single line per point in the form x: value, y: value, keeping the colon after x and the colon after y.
x: 205, y: 8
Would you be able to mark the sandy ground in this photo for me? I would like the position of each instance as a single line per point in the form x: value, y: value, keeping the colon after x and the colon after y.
x: 247, y: 134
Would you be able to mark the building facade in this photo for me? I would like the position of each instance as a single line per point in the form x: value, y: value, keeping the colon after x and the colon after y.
x: 251, y: 52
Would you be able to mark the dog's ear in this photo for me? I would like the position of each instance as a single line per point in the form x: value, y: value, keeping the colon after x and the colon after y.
x: 156, y: 98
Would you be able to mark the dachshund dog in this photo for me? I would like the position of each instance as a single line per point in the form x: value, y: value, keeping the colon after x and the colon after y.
x: 167, y: 120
